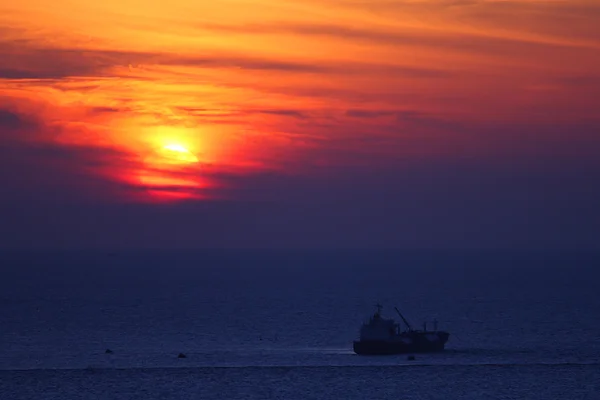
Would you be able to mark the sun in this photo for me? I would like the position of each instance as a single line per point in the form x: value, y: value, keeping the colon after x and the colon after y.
x: 170, y: 172
x: 177, y: 147
x: 178, y: 153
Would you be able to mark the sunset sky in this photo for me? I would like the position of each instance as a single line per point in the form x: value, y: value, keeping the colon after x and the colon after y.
x: 300, y: 123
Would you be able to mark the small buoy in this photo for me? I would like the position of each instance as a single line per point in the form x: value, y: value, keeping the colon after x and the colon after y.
x: 108, y: 351
x: 411, y: 358
x: 181, y: 355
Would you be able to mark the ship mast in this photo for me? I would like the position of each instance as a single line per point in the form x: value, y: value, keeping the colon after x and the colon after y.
x: 403, y: 319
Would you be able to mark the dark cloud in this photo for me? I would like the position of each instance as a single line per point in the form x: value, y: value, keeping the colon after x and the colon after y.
x: 13, y: 121
x: 10, y: 73
x: 217, y: 116
x: 30, y: 166
x: 105, y: 110
x: 241, y: 62
x: 19, y: 127
x: 35, y: 63
x: 251, y: 63
x: 475, y: 43
x: 286, y: 113
x: 80, y: 155
x: 34, y: 168
x: 54, y: 63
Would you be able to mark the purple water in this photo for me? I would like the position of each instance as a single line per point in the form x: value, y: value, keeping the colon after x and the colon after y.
x: 263, y: 324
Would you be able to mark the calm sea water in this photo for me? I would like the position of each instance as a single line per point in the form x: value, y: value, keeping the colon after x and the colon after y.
x: 264, y: 324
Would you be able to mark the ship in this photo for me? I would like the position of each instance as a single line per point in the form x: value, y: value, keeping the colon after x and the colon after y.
x: 381, y: 336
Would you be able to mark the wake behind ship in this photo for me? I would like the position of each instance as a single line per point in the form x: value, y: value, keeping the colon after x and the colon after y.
x: 381, y: 336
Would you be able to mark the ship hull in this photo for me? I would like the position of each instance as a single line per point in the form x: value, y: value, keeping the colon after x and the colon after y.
x: 391, y: 347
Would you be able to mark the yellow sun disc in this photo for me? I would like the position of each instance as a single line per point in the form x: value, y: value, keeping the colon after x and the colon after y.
x: 177, y: 152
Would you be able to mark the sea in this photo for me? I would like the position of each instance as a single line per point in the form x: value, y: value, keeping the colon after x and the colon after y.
x: 279, y: 324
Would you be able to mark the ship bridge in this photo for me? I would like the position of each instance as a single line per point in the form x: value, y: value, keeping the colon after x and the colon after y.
x: 378, y: 328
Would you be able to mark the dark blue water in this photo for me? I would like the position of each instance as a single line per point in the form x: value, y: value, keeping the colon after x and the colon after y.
x: 258, y: 324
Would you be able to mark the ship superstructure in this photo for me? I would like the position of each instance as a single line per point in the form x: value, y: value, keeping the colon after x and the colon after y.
x: 381, y: 336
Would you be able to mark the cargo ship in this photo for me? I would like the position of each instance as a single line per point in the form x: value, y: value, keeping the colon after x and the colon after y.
x: 381, y: 336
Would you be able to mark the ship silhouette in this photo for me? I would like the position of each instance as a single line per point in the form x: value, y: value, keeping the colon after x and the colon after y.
x: 381, y: 336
